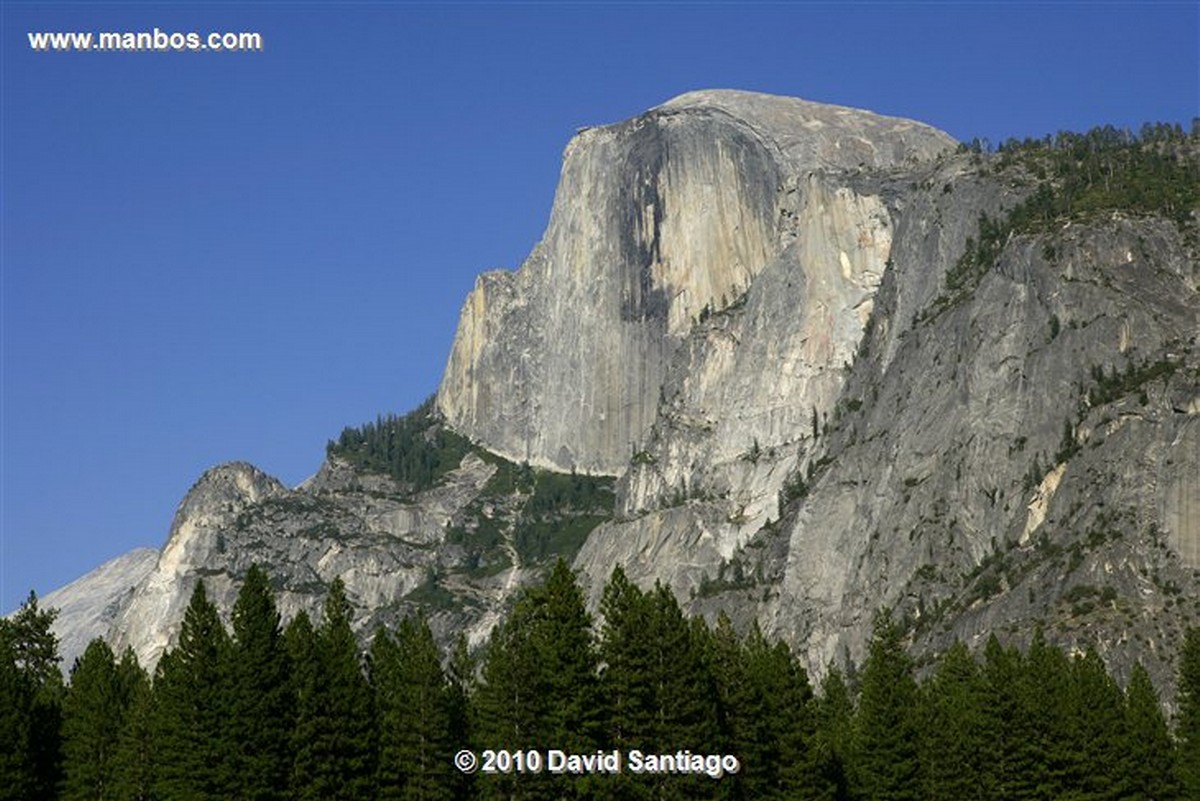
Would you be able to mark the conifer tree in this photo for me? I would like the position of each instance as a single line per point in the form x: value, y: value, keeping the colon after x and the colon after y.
x: 1011, y: 768
x: 135, y: 756
x: 828, y: 764
x: 1097, y: 708
x: 16, y: 704
x: 625, y: 654
x: 31, y: 689
x: 300, y: 643
x: 461, y: 693
x: 93, y: 708
x: 627, y: 690
x: 1187, y: 730
x: 685, y: 710
x: 191, y: 709
x: 743, y: 719
x: 1048, y: 743
x: 539, y: 681
x: 782, y: 684
x: 951, y: 722
x: 334, y: 738
x: 415, y: 706
x: 1148, y: 753
x: 260, y: 704
x: 886, y: 732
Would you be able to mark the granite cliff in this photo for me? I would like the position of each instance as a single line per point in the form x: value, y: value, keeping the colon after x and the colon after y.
x: 772, y: 328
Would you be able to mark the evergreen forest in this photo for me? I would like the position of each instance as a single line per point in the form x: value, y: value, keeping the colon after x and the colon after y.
x: 259, y: 710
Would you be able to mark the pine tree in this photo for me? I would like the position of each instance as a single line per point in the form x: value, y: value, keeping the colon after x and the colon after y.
x: 1047, y: 746
x: 886, y: 736
x: 539, y: 682
x: 135, y: 758
x: 1187, y: 729
x: 16, y: 704
x: 31, y: 691
x: 300, y: 642
x: 415, y: 705
x: 951, y: 722
x: 1009, y: 771
x: 1098, y: 709
x: 829, y: 762
x: 94, y: 707
x: 1148, y: 753
x: 684, y: 711
x: 191, y: 708
x: 260, y: 703
x: 568, y: 656
x: 461, y: 693
x: 334, y: 737
x: 742, y: 715
x: 625, y: 655
x: 782, y: 684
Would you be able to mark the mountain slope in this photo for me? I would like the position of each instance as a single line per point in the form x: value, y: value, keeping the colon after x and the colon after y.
x: 796, y: 362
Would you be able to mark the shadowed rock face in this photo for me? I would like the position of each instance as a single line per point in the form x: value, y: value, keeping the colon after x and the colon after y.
x: 657, y: 221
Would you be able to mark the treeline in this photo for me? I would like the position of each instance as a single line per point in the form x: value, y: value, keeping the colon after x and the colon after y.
x: 411, y: 448
x: 1079, y: 175
x: 267, y: 712
x: 1107, y: 169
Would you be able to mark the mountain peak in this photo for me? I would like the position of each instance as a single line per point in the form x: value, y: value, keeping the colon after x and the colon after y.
x: 812, y: 134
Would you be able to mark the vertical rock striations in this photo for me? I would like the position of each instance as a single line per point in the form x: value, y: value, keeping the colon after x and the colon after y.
x: 657, y: 221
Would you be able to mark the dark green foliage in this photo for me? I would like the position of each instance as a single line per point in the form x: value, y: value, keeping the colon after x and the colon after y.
x: 628, y: 696
x: 826, y: 773
x: 951, y: 721
x: 1114, y: 384
x: 764, y: 716
x: 885, y: 745
x: 94, y: 707
x: 560, y: 513
x: 1045, y: 699
x: 1068, y: 446
x: 415, y: 449
x: 551, y: 517
x: 539, y: 682
x: 31, y: 696
x: 135, y: 753
x: 16, y: 701
x: 1108, y: 169
x: 1148, y: 766
x: 1011, y: 753
x: 1097, y: 712
x: 334, y: 737
x: 260, y: 703
x: 793, y: 489
x: 1187, y: 728
x: 1081, y: 175
x: 657, y: 684
x: 1018, y: 726
x: 191, y: 709
x: 416, y: 707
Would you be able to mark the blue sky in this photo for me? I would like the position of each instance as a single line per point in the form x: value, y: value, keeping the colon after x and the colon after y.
x: 209, y: 257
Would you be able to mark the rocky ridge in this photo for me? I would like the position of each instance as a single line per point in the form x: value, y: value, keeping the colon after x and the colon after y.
x: 754, y: 313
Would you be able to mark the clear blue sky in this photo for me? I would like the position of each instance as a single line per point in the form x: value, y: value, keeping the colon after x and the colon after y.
x: 209, y: 257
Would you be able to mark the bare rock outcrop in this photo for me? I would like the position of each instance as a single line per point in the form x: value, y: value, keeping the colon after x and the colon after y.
x: 658, y: 221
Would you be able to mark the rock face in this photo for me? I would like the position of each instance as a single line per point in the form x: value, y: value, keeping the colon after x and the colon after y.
x: 754, y: 313
x: 741, y: 307
x: 88, y: 606
x: 985, y: 468
x: 453, y: 551
x: 657, y: 221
